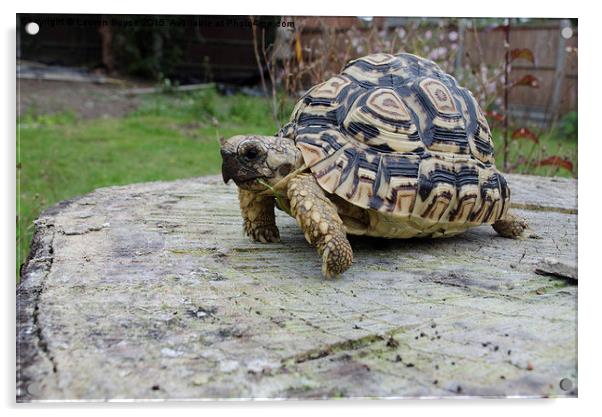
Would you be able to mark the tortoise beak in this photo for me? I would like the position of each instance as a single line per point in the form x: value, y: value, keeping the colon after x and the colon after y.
x: 229, y: 165
x: 232, y: 169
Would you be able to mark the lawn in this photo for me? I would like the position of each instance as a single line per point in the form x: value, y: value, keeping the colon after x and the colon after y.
x: 551, y: 143
x: 170, y: 136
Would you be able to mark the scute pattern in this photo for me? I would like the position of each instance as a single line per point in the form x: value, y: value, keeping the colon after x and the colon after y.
x: 395, y: 134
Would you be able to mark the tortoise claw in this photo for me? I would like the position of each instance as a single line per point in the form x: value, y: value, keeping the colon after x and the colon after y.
x: 265, y: 234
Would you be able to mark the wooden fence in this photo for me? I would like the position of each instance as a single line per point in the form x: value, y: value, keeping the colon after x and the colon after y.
x: 554, y: 66
x: 224, y: 52
x: 211, y: 47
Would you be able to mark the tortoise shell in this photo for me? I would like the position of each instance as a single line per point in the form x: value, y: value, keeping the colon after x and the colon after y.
x: 397, y: 135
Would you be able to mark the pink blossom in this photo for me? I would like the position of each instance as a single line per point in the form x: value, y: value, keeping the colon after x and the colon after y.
x: 437, y: 53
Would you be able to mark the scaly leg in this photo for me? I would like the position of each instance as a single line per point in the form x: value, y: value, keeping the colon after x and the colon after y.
x: 510, y: 226
x: 320, y: 222
x: 258, y: 215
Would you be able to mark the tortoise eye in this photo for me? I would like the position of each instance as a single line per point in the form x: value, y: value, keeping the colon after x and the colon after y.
x: 251, y: 154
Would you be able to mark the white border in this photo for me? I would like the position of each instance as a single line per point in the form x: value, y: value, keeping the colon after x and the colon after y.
x: 590, y: 107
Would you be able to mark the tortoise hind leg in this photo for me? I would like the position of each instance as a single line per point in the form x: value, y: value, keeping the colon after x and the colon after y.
x: 510, y: 226
x: 320, y: 222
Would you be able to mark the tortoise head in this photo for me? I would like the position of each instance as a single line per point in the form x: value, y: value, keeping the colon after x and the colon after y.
x: 250, y: 160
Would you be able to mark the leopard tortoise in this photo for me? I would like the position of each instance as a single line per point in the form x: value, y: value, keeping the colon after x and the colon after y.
x: 391, y: 147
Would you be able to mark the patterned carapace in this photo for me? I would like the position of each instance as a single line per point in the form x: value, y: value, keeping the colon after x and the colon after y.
x: 396, y: 134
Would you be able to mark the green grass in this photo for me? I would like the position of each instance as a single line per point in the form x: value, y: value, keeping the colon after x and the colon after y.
x: 168, y: 137
x: 553, y: 143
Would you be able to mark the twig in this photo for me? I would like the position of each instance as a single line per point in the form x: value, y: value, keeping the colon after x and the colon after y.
x: 506, y: 88
x: 270, y: 63
x: 259, y: 66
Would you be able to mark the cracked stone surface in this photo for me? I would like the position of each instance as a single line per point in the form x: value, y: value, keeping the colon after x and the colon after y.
x: 151, y: 291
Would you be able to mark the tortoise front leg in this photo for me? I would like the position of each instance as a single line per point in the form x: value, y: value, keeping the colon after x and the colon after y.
x: 510, y: 226
x: 258, y: 215
x: 320, y: 222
